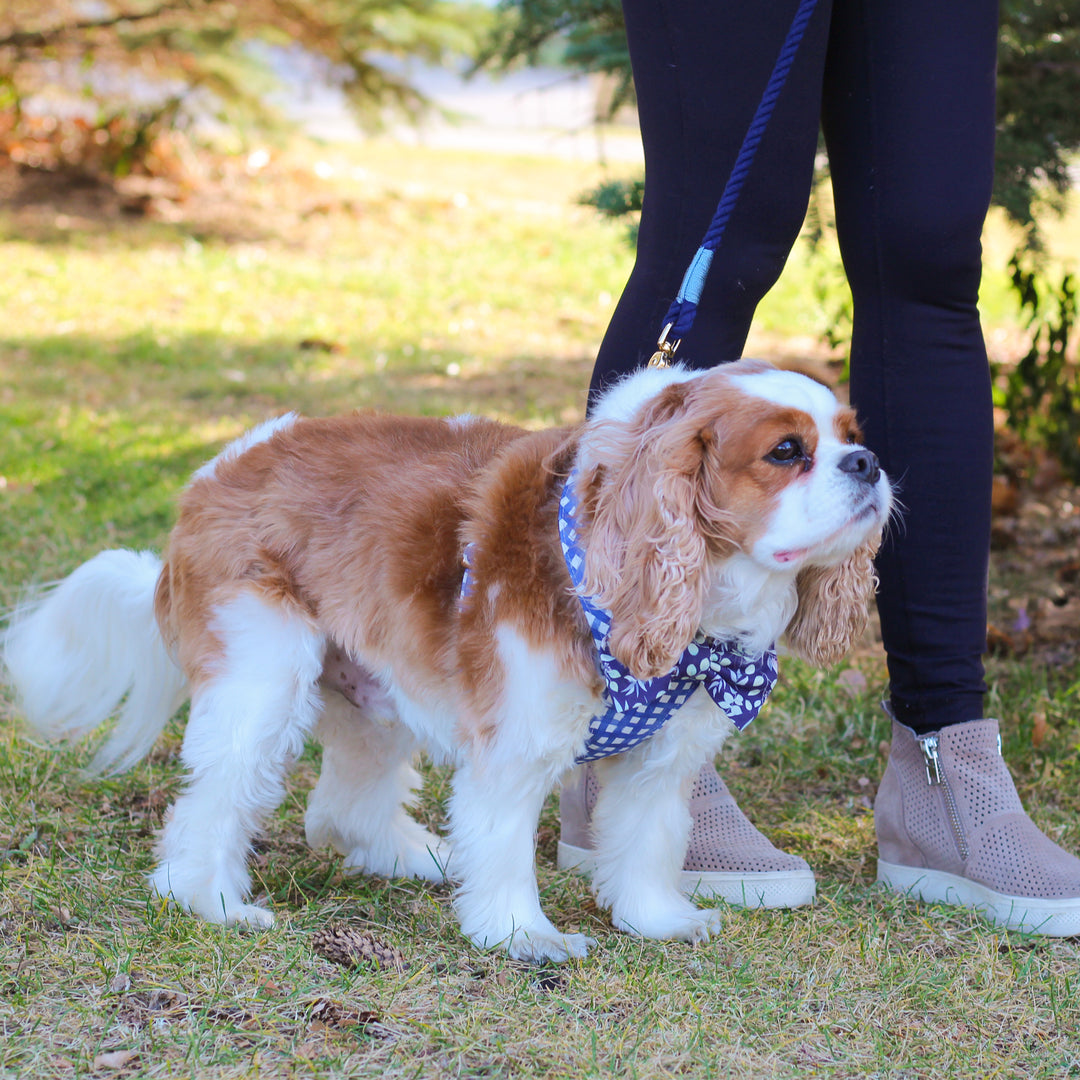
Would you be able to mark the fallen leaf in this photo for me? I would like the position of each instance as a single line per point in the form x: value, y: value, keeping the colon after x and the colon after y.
x: 853, y: 681
x: 999, y: 643
x: 115, y: 1059
x: 321, y: 345
x: 327, y: 1015
x: 1005, y: 496
x: 1070, y: 572
x: 1039, y: 728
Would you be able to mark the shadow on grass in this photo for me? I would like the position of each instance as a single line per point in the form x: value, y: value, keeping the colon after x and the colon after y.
x: 98, y: 436
x: 148, y: 375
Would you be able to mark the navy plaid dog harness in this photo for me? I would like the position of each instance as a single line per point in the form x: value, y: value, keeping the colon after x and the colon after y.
x: 637, y: 708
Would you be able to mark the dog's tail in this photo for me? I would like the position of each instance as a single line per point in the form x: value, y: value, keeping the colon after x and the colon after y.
x: 75, y: 650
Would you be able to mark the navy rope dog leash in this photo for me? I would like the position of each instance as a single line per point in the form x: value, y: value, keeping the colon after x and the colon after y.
x: 680, y: 316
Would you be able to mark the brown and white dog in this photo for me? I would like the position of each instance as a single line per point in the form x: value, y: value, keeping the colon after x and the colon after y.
x: 315, y: 555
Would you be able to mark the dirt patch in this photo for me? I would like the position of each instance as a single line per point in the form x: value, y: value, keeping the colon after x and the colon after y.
x: 47, y: 204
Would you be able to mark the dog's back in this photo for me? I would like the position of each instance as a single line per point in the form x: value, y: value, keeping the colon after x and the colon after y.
x: 314, y: 510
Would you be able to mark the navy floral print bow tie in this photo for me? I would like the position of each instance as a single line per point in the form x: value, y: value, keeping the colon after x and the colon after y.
x: 638, y: 708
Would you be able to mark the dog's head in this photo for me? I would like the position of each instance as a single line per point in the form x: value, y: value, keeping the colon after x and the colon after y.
x: 687, y: 477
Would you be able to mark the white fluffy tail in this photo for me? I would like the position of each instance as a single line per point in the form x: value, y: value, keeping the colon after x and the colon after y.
x: 76, y: 649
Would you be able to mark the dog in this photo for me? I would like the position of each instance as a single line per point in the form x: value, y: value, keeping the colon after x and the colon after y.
x: 390, y: 584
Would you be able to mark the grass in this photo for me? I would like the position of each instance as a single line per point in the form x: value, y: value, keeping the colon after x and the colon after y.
x: 435, y: 282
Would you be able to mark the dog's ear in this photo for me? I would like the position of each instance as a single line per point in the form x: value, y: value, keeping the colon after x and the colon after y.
x: 833, y: 605
x: 645, y: 550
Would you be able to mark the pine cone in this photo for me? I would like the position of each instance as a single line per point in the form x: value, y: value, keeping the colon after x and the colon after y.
x: 352, y: 948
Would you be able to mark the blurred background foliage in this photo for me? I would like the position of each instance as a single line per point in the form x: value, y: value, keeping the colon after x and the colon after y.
x: 1038, y: 139
x: 1038, y: 82
x: 111, y: 87
x: 90, y: 83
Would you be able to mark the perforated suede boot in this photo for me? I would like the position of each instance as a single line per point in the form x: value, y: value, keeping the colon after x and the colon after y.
x: 726, y: 857
x: 951, y: 829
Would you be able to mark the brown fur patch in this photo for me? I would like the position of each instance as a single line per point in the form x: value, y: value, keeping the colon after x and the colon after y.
x: 358, y: 523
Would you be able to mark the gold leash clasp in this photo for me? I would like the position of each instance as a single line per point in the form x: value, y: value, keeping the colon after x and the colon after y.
x: 665, y: 350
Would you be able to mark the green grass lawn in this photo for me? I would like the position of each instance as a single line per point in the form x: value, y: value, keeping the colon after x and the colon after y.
x: 407, y: 279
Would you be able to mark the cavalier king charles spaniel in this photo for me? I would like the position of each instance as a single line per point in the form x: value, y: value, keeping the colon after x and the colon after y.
x: 388, y: 584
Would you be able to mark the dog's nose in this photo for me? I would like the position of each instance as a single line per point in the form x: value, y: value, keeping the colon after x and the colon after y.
x: 862, y: 465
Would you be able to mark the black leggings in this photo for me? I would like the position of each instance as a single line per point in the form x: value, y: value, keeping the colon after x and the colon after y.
x: 904, y: 90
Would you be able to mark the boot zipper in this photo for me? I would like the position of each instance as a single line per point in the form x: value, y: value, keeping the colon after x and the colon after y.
x: 929, y: 746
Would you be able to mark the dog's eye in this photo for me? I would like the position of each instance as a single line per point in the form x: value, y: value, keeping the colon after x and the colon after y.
x: 786, y: 452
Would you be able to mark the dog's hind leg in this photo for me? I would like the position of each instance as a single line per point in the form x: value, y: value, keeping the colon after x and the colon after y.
x: 366, y: 782
x: 250, y: 714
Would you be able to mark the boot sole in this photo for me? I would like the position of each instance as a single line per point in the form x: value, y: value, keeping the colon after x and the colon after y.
x: 1051, y: 918
x: 773, y: 889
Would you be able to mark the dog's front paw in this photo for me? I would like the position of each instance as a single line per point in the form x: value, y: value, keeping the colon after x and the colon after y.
x: 535, y: 943
x: 212, y: 903
x: 673, y: 923
x: 539, y: 947
x: 250, y: 916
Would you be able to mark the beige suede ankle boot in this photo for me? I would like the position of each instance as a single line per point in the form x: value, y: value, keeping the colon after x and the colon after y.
x: 951, y: 829
x: 726, y: 858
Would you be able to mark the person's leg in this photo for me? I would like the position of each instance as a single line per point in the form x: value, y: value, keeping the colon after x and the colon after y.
x: 699, y: 71
x: 909, y: 121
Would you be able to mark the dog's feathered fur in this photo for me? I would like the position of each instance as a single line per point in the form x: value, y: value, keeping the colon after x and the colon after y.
x: 332, y: 550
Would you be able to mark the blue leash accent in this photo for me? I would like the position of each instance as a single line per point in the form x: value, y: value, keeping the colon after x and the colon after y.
x: 680, y: 316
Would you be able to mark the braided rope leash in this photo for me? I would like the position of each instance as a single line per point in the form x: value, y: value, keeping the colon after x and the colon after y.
x: 680, y: 316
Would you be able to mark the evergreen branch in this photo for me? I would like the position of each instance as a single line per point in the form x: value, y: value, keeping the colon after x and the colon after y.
x: 39, y: 39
